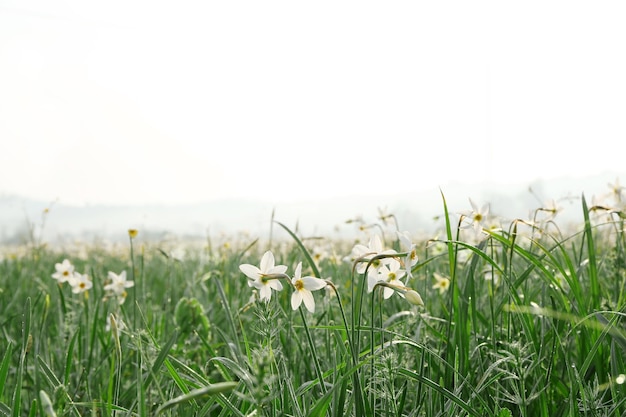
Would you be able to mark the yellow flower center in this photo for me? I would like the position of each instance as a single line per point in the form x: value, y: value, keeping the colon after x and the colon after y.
x: 299, y: 284
x: 391, y: 276
x: 66, y: 273
x: 478, y: 217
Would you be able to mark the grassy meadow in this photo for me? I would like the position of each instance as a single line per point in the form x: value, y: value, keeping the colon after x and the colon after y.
x: 490, y: 317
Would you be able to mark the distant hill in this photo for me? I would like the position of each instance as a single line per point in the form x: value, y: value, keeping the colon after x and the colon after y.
x: 414, y: 210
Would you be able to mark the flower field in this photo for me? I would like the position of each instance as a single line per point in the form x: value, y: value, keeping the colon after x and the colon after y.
x: 488, y: 317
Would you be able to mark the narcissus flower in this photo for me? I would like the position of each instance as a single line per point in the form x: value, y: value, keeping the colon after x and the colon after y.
x: 391, y: 273
x: 117, y: 285
x: 302, y: 289
x: 64, y: 271
x: 266, y: 277
x: 411, y: 251
x: 442, y: 283
x: 80, y: 282
x: 478, y: 216
x: 363, y: 254
x: 616, y: 190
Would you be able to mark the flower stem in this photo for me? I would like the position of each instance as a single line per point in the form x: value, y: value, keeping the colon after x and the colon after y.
x: 372, y: 397
x: 318, y: 369
x: 358, y: 389
x: 132, y: 274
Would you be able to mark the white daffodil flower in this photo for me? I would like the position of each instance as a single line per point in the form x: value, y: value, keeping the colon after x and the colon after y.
x: 410, y: 249
x: 442, y: 283
x: 302, y: 289
x: 80, y: 282
x: 478, y: 216
x: 391, y: 273
x: 265, y: 277
x: 363, y: 254
x: 64, y: 271
x: 117, y: 285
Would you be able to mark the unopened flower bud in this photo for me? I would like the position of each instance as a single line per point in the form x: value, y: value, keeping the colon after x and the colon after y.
x: 413, y: 297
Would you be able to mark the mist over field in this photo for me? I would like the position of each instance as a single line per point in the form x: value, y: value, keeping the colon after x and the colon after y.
x: 312, y: 208
x: 415, y: 211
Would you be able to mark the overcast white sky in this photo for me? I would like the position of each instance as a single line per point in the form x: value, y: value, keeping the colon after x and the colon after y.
x: 129, y: 102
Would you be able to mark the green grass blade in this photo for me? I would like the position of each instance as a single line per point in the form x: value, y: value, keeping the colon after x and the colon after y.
x: 46, y: 404
x: 230, y: 409
x: 160, y: 359
x: 229, y: 317
x: 52, y: 379
x: 451, y: 249
x: 443, y: 391
x: 4, y: 368
x: 17, y: 394
x: 594, y: 300
x: 213, y: 389
x: 139, y: 384
x: 591, y: 355
x: 33, y: 408
x: 238, y: 370
x: 303, y: 248
x: 68, y: 359
x: 54, y: 382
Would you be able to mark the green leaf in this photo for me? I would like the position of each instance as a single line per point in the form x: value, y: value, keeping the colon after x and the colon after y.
x: 505, y: 412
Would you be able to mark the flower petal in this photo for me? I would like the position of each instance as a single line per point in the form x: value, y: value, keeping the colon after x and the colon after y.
x: 376, y: 245
x: 296, y: 299
x: 267, y: 262
x: 313, y: 284
x: 393, y: 264
x: 278, y: 269
x: 372, y: 279
x: 265, y: 292
x: 474, y: 206
x: 274, y: 284
x: 387, y: 292
x: 250, y: 271
x: 359, y: 250
x: 309, y: 301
